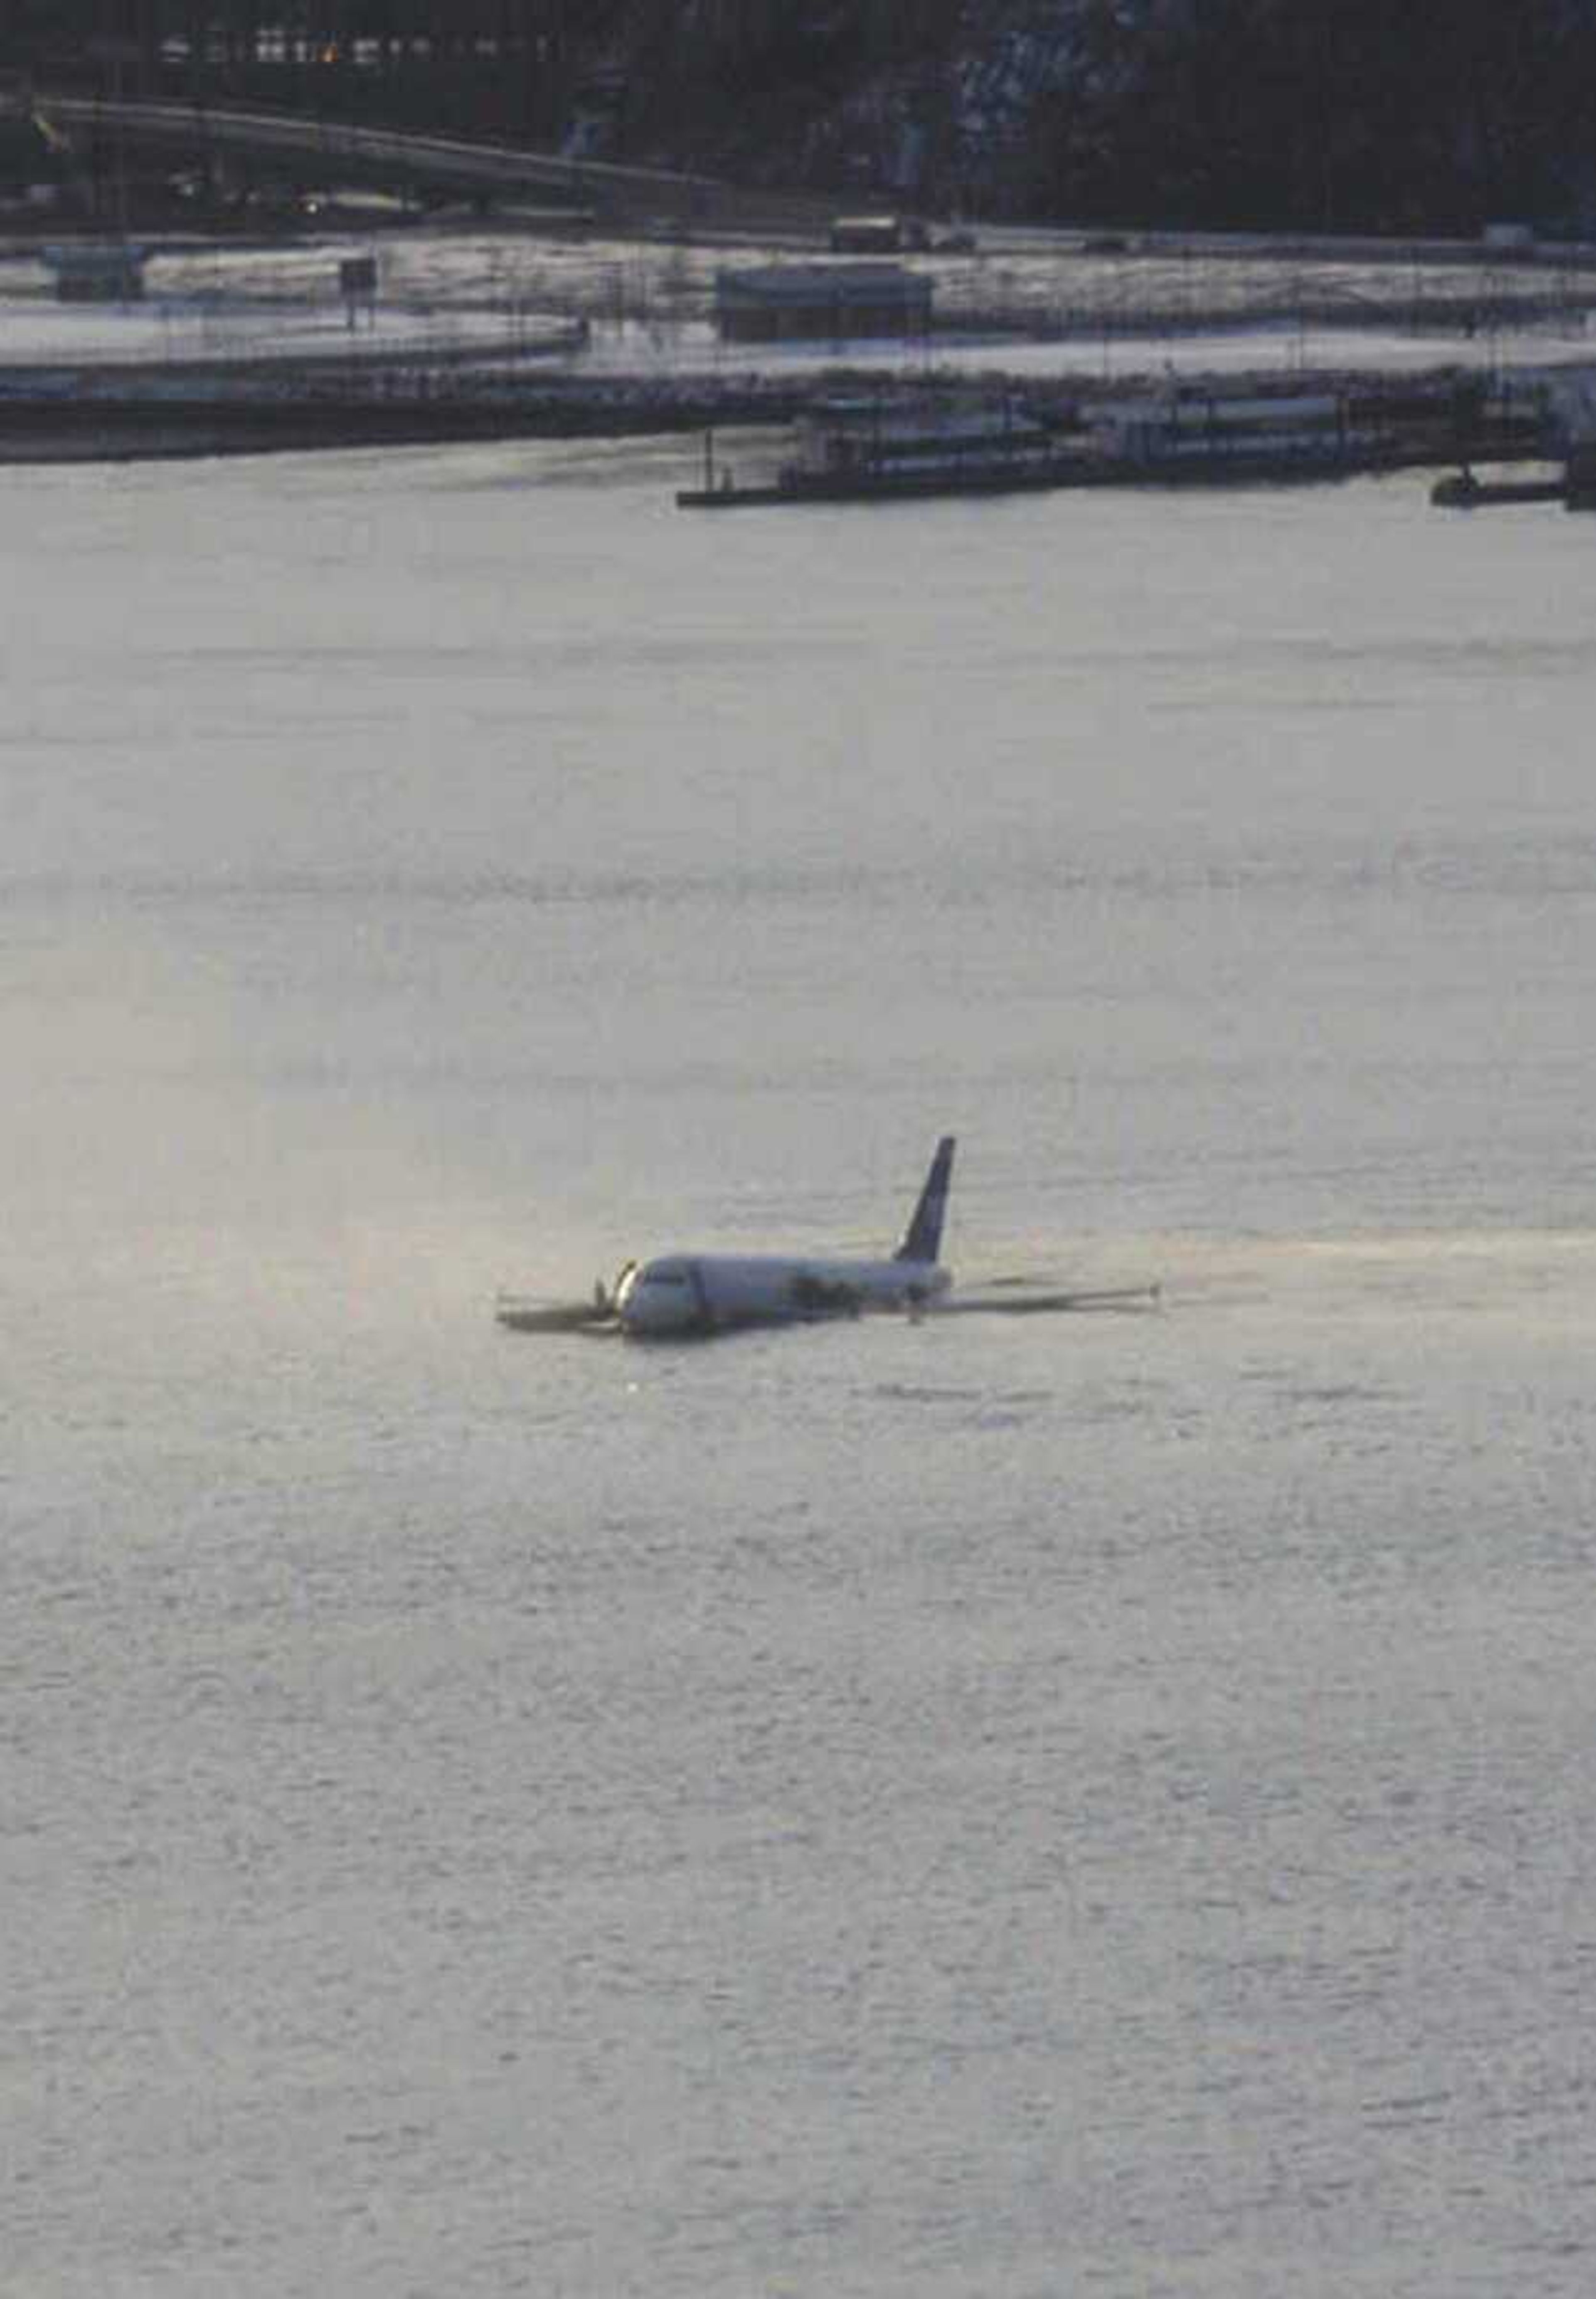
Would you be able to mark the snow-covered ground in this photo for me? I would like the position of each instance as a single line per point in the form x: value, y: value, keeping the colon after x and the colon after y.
x: 639, y: 348
x: 177, y: 331
x: 497, y: 295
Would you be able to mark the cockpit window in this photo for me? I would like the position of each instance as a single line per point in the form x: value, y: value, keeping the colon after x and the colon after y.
x: 665, y: 1277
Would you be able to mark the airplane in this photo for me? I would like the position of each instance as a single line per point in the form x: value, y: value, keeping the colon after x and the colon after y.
x: 678, y: 1295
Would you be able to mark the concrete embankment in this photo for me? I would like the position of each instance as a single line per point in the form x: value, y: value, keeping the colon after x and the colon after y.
x: 103, y: 422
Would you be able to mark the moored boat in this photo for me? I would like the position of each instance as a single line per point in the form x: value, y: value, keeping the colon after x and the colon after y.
x: 862, y: 448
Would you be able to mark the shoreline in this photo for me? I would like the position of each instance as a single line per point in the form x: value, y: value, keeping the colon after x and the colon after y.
x: 220, y: 408
x: 620, y: 346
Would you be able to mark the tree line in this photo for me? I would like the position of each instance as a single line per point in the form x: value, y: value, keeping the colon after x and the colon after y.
x: 1324, y: 114
x: 1308, y: 114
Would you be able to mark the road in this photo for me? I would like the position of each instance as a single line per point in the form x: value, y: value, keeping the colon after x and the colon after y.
x: 328, y: 151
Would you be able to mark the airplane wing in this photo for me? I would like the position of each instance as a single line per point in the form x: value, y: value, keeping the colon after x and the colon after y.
x: 999, y: 1297
x: 593, y: 1315
x: 1012, y: 1297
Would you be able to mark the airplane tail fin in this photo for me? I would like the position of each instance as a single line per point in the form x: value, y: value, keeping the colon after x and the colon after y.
x: 922, y: 1239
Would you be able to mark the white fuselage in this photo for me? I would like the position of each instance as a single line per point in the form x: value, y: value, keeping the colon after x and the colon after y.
x: 709, y: 1293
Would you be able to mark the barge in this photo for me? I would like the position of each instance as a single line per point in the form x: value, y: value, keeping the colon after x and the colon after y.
x: 880, y: 448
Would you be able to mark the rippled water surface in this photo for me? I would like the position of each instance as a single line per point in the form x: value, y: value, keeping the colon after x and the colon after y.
x: 1094, y: 1805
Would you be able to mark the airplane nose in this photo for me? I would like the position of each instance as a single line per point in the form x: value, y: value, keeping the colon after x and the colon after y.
x: 656, y: 1298
x: 637, y: 1310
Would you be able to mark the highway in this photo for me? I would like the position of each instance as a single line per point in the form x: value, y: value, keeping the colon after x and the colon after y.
x: 328, y: 150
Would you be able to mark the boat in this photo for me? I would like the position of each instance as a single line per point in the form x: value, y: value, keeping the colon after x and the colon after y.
x: 877, y: 448
x: 869, y: 448
x: 1190, y: 434
x: 1466, y: 491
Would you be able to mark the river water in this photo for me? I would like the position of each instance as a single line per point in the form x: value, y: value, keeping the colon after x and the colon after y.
x: 1094, y: 1805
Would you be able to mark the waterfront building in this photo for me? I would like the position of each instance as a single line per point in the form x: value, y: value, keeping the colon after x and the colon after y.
x: 775, y: 302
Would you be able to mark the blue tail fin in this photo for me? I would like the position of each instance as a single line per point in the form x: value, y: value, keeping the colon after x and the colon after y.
x: 922, y: 1239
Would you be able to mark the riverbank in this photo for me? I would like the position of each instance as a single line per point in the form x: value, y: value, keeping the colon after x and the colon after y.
x: 497, y: 335
x: 127, y: 427
x: 1364, y: 421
